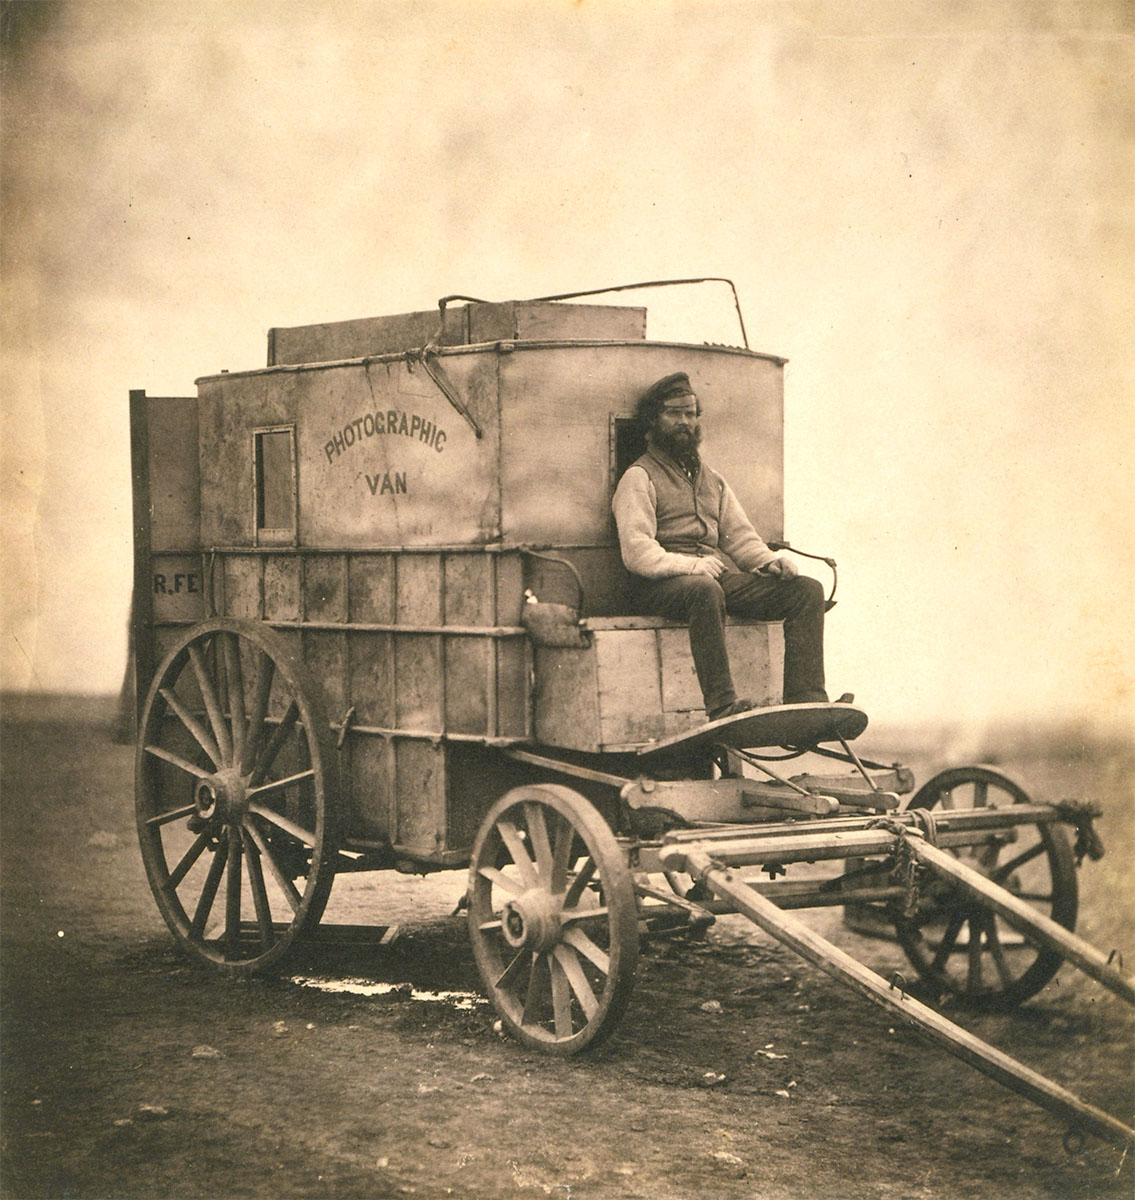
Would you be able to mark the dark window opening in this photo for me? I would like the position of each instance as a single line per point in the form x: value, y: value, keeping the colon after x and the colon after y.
x: 275, y: 483
x: 629, y: 444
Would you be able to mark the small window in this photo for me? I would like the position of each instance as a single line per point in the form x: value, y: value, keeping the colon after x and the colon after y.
x: 627, y: 444
x: 275, y: 467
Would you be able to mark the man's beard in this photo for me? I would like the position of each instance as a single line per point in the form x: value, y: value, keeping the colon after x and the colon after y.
x: 681, y: 444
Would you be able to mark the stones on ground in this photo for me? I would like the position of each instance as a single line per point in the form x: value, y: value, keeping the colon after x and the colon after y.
x: 481, y: 1077
x: 712, y: 1006
x: 732, y: 1164
x: 711, y: 1079
x: 280, y: 1029
x: 206, y: 1052
x: 153, y: 1112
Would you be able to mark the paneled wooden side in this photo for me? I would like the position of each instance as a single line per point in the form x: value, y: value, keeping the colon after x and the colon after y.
x: 565, y: 700
x: 371, y: 664
x: 469, y: 685
x: 419, y: 796
x: 368, y: 787
x: 177, y: 587
x: 325, y: 656
x: 636, y: 682
x: 371, y: 588
x: 419, y: 682
x: 468, y: 589
x: 630, y: 695
x: 509, y: 588
x: 282, y: 587
x: 325, y: 587
x: 241, y: 585
x: 514, y: 686
x: 418, y: 600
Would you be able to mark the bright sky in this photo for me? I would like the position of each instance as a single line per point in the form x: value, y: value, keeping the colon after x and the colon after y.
x: 926, y: 207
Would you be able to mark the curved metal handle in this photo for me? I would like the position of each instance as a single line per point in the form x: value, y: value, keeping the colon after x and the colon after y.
x: 830, y: 602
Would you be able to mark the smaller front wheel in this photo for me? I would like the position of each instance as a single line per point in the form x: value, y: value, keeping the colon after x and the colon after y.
x: 552, y: 918
x: 963, y: 949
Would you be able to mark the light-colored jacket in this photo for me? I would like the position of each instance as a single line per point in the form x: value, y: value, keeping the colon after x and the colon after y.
x: 667, y: 521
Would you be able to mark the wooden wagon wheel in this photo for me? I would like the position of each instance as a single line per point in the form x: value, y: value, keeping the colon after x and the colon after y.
x: 235, y: 785
x: 960, y: 947
x: 552, y: 918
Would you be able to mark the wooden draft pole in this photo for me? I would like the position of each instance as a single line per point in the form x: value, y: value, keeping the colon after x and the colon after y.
x: 724, y: 882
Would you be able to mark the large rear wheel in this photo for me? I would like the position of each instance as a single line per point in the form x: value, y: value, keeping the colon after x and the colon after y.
x: 235, y: 795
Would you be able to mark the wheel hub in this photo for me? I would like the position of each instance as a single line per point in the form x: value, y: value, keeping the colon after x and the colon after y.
x: 221, y: 795
x: 531, y: 921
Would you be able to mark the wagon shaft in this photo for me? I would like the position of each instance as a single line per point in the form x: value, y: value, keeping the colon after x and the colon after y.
x: 703, y: 860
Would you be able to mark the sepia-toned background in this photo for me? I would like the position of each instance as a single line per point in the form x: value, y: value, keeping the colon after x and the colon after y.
x: 925, y: 206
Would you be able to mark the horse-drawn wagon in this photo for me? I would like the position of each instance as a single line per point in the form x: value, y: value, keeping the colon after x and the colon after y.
x: 380, y: 623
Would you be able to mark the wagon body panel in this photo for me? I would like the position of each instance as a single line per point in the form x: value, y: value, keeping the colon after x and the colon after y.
x: 373, y: 506
x: 635, y: 682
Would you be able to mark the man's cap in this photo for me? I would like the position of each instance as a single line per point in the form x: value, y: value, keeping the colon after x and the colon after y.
x: 668, y: 387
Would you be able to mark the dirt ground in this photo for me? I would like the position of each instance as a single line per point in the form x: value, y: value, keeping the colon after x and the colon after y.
x: 129, y: 1072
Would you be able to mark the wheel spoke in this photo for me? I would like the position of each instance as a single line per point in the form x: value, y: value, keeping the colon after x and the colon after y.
x: 183, y: 868
x: 513, y: 886
x: 582, y: 914
x: 259, y: 892
x: 586, y: 872
x: 234, y: 675
x: 561, y: 854
x: 949, y: 940
x: 179, y: 762
x: 980, y: 793
x: 579, y: 940
x: 202, y: 736
x: 561, y: 1000
x: 539, y: 973
x: 275, y: 744
x: 973, y: 977
x: 514, y: 968
x: 569, y: 960
x: 261, y: 692
x: 515, y: 845
x: 174, y: 814
x: 277, y: 784
x: 1007, y: 868
x: 286, y: 885
x: 232, y: 895
x: 997, y: 951
x: 209, y: 891
x: 209, y: 697
x: 538, y: 837
x: 297, y: 831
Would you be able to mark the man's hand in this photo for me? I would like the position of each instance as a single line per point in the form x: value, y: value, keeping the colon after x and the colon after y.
x: 713, y: 567
x: 782, y: 568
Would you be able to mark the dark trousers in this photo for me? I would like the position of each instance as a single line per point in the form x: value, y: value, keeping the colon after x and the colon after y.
x: 703, y: 602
